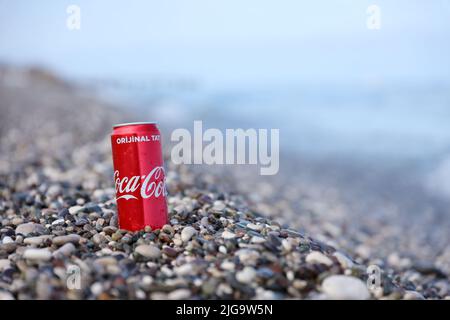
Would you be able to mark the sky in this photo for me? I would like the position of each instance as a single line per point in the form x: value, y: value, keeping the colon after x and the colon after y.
x: 232, y: 42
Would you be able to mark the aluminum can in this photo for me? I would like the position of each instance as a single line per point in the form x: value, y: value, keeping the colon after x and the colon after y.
x: 139, y: 176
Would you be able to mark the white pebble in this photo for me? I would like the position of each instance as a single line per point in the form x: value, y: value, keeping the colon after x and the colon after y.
x: 37, y: 254
x: 179, y: 294
x: 188, y: 233
x: 256, y: 239
x: 317, y: 257
x: 339, y: 287
x: 246, y: 275
x: 75, y: 209
x: 228, y: 235
x: 343, y: 260
x: 7, y: 240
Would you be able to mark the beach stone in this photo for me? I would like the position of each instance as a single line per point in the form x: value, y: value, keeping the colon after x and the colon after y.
x: 169, y: 251
x: 58, y: 222
x: 247, y: 256
x: 4, y: 264
x: 37, y: 254
x: 179, y: 294
x: 255, y: 227
x: 7, y: 248
x: 218, y: 206
x: 340, y: 287
x: 30, y: 227
x: 65, y: 251
x: 187, y: 233
x: 413, y: 295
x: 257, y: 240
x: 185, y: 269
x: 246, y: 275
x: 228, y: 235
x: 36, y: 240
x: 7, y: 240
x: 75, y: 209
x: 148, y: 251
x: 317, y: 257
x: 343, y: 260
x: 106, y: 261
x: 61, y: 240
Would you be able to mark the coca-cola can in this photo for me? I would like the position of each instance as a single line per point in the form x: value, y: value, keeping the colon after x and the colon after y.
x: 139, y: 176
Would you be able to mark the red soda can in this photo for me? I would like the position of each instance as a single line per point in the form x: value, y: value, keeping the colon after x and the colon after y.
x: 139, y: 176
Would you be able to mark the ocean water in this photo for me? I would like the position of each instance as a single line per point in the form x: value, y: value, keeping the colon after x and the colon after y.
x: 389, y: 122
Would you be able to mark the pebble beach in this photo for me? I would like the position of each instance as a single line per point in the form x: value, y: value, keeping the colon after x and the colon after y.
x: 225, y: 239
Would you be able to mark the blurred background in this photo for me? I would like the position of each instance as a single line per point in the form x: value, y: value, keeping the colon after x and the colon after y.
x: 360, y: 90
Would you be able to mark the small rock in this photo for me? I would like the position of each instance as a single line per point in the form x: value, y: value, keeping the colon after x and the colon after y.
x: 73, y: 238
x: 317, y: 257
x: 148, y: 251
x: 75, y: 209
x: 4, y: 264
x: 218, y: 206
x: 7, y: 240
x: 58, y: 222
x: 37, y: 254
x: 106, y: 261
x: 169, y: 251
x: 413, y: 295
x: 179, y: 294
x: 65, y: 251
x: 246, y: 275
x: 30, y: 227
x: 247, y: 256
x: 187, y: 233
x: 255, y: 227
x: 340, y: 287
x: 36, y: 240
x: 257, y: 240
x: 228, y: 235
x: 343, y: 260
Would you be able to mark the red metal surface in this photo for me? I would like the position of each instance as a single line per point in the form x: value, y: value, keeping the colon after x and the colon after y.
x: 139, y: 176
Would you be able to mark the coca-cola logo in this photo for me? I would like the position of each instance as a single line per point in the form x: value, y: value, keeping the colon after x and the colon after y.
x: 150, y: 185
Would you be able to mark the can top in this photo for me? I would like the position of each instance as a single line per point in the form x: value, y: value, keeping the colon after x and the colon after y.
x: 132, y: 124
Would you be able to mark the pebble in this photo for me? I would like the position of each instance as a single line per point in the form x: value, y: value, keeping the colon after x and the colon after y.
x: 4, y: 264
x: 187, y: 233
x: 37, y: 254
x: 171, y: 252
x: 60, y: 240
x: 36, y: 240
x: 65, y: 251
x: 340, y: 287
x: 257, y: 240
x: 218, y: 206
x: 343, y: 260
x: 7, y: 240
x: 228, y: 235
x: 30, y: 227
x: 254, y: 227
x: 75, y: 209
x: 148, y: 251
x: 179, y: 294
x: 247, y: 275
x: 106, y: 261
x: 413, y: 295
x: 247, y: 256
x: 316, y: 257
